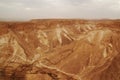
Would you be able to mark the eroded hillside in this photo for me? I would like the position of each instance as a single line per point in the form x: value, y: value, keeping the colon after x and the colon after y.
x: 60, y: 50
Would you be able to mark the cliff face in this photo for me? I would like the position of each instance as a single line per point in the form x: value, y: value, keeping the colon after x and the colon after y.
x: 60, y: 50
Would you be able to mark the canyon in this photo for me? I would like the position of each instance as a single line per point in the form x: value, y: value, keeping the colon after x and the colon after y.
x: 60, y: 49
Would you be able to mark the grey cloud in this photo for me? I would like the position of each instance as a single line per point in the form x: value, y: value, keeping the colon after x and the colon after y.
x: 31, y: 3
x: 77, y: 2
x: 27, y: 9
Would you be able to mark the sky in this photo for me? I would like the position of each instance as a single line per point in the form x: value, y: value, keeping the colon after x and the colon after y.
x: 66, y: 9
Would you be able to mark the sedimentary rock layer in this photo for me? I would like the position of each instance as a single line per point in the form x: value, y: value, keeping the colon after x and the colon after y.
x: 60, y: 50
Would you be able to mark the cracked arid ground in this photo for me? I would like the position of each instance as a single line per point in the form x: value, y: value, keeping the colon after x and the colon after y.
x: 60, y: 50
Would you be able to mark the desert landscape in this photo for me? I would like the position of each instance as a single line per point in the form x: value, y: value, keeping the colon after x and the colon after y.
x: 60, y: 49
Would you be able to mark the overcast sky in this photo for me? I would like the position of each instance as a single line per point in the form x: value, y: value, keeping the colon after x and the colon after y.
x: 87, y: 9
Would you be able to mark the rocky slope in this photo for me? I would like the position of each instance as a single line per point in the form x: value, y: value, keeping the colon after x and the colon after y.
x: 60, y: 50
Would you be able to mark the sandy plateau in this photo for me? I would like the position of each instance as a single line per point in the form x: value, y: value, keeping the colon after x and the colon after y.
x: 60, y: 50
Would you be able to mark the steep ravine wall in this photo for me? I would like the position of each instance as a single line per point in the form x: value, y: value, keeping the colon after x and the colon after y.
x: 60, y: 50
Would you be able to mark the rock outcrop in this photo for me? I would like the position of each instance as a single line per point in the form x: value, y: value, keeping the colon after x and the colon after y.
x: 60, y: 50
